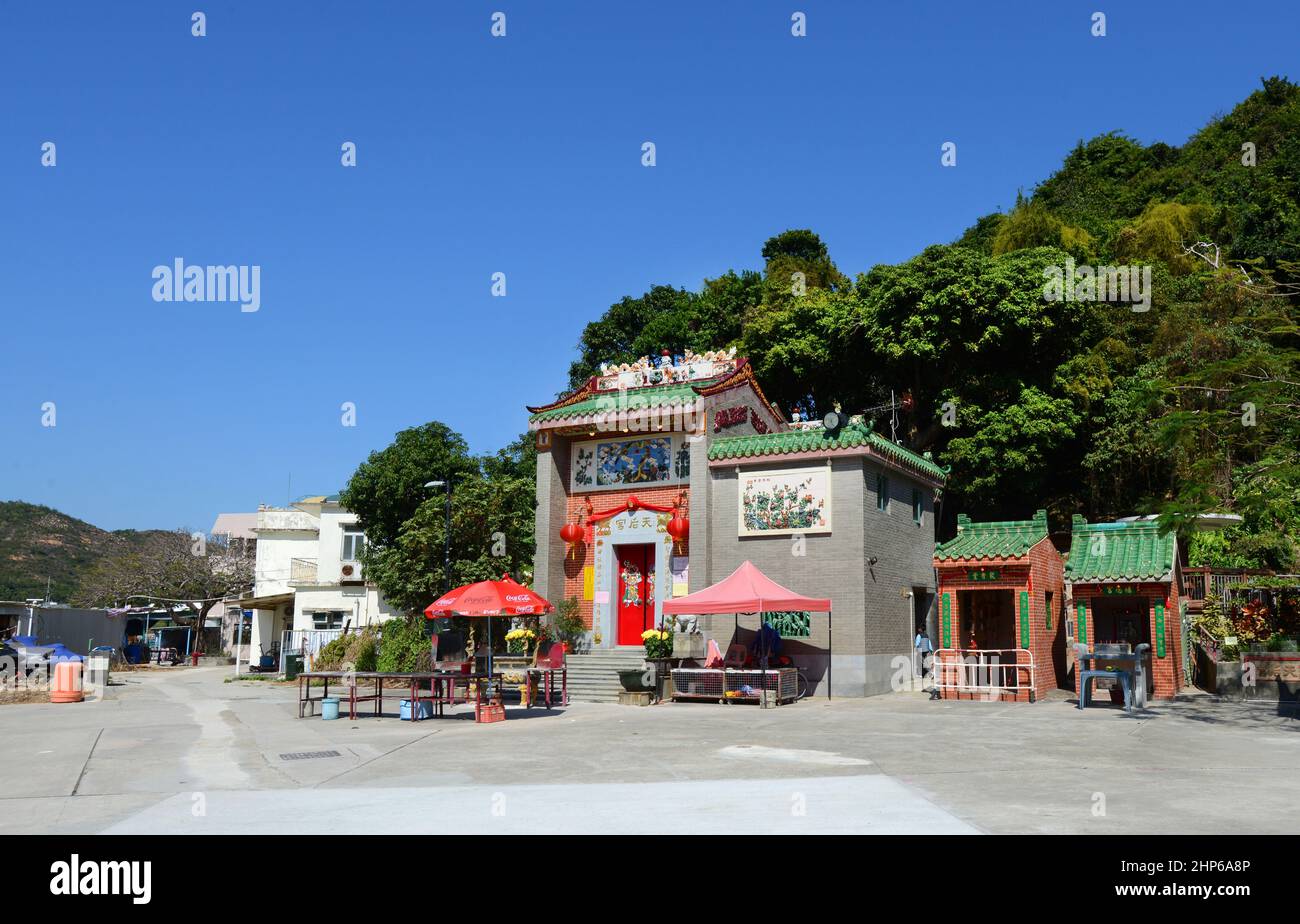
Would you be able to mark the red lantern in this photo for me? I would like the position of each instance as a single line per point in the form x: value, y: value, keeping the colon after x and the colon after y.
x: 679, y: 527
x: 571, y: 533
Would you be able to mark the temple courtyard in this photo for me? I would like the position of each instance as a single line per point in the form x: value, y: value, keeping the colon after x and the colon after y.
x: 181, y: 751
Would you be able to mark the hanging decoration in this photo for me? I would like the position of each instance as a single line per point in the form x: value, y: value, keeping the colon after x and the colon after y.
x: 633, y: 503
x: 572, y: 534
x: 679, y: 527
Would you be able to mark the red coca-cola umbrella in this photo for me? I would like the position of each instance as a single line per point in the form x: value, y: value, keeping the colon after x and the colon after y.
x: 506, y: 597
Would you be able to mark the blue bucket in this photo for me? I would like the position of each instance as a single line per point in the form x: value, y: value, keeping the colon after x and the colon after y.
x: 329, y: 707
x: 425, y: 710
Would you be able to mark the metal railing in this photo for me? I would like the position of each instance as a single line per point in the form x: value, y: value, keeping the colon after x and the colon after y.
x: 308, y: 642
x: 1200, y: 580
x: 989, y: 671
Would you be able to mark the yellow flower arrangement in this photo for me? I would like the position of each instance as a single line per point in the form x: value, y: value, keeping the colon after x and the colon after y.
x: 520, y: 641
x: 658, y: 643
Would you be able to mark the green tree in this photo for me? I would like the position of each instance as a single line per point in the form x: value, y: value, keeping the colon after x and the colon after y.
x: 492, y: 516
x: 798, y: 251
x: 616, y: 337
x: 386, y: 490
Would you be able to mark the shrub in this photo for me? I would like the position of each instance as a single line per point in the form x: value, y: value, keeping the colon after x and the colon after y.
x: 401, y: 643
x: 331, y: 655
x: 363, y: 650
x: 567, y: 622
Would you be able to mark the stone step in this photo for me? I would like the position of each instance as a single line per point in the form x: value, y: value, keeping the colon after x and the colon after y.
x: 593, y: 676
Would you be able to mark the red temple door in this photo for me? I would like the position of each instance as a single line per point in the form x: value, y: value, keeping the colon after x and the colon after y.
x: 636, y: 599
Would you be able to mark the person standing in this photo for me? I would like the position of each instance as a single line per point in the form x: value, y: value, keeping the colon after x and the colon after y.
x: 924, y: 649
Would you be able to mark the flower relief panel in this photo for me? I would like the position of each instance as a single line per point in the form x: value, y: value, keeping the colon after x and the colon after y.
x: 775, y: 502
x: 628, y: 462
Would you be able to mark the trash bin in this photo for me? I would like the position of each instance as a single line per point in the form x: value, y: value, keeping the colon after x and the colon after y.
x: 329, y: 707
x: 96, y: 676
x: 292, y: 666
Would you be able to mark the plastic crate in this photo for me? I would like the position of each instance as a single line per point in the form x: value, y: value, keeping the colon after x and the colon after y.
x: 489, y: 712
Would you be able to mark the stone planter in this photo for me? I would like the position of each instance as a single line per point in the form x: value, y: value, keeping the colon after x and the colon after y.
x: 1222, y: 677
x: 1276, y: 676
x: 639, y: 680
x: 688, y: 646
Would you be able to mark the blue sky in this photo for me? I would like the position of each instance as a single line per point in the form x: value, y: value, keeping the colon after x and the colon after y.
x: 479, y: 155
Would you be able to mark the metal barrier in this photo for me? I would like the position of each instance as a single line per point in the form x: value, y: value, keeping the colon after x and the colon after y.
x: 307, y: 641
x: 987, y: 671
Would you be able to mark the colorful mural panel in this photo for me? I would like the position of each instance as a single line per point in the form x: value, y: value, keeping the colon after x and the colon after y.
x: 785, y: 501
x: 629, y: 463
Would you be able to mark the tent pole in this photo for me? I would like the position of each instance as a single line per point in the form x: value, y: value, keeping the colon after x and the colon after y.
x: 830, y: 648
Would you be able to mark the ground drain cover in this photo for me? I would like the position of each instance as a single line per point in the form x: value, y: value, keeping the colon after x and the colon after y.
x: 309, y: 755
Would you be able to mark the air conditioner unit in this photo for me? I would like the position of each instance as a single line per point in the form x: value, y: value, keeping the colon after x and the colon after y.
x: 350, y: 573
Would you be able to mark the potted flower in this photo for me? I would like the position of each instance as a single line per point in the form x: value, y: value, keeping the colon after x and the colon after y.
x: 520, y: 641
x: 658, y: 644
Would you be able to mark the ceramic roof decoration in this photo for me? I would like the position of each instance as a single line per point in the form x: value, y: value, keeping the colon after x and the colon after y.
x: 992, y: 541
x: 854, y: 435
x: 1131, y: 551
x: 598, y: 400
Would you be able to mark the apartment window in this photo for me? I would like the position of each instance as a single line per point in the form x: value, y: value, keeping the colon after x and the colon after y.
x: 918, y: 506
x: 882, y: 493
x: 327, y: 619
x: 354, y: 541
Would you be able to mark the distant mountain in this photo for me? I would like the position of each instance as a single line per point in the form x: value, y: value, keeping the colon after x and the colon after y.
x: 40, y: 542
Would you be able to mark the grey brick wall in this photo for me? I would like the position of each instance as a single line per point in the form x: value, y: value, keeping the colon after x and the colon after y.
x: 872, y: 618
x: 904, y: 552
x: 831, y: 566
x: 552, y: 484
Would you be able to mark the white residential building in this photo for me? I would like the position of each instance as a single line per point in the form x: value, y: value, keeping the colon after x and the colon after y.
x: 236, y: 530
x: 309, y: 585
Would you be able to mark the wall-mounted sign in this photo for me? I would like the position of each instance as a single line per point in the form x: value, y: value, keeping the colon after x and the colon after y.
x: 727, y: 417
x: 757, y: 422
x: 1024, y: 619
x: 947, y: 620
x: 1121, y: 590
x: 1160, y: 629
x: 984, y: 574
x: 785, y: 501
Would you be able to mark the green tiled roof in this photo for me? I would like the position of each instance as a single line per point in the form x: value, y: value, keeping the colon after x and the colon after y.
x: 1005, y: 539
x: 1119, y: 552
x: 630, y: 400
x: 815, y: 439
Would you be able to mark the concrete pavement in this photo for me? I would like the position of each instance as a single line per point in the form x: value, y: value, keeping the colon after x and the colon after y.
x: 178, y: 750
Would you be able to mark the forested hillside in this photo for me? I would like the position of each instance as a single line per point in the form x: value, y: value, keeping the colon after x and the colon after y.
x: 38, y: 542
x: 1184, y: 402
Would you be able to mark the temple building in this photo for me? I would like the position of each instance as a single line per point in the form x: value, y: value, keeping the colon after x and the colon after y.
x: 1001, y: 625
x: 659, y: 478
x: 1123, y: 581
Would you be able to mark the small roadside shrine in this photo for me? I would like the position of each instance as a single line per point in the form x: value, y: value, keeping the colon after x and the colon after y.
x: 1001, y: 600
x: 1123, y: 580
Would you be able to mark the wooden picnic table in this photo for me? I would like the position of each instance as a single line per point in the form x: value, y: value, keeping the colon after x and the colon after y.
x: 441, y: 687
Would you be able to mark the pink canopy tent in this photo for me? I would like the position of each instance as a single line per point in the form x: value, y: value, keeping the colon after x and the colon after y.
x: 749, y: 590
